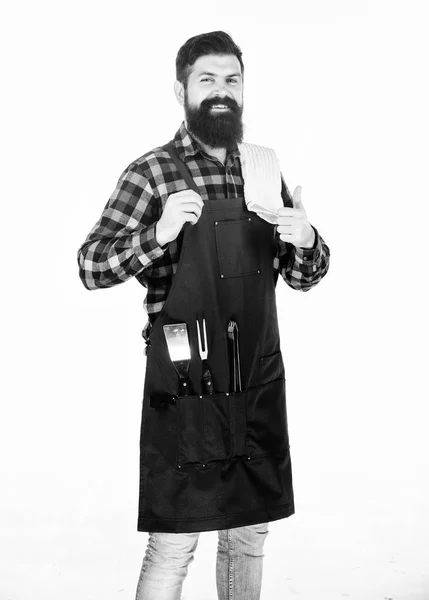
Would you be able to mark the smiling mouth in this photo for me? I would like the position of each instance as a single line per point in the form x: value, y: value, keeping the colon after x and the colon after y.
x: 219, y: 107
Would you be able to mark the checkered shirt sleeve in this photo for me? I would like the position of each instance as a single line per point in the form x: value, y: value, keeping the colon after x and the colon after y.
x: 301, y: 268
x: 122, y: 242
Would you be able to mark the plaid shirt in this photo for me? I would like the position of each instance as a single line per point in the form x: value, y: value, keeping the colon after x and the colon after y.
x: 122, y: 243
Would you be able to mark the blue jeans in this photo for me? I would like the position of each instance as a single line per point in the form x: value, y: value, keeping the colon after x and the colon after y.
x: 238, y: 564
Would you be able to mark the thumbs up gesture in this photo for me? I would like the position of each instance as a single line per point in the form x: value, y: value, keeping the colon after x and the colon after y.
x: 293, y: 225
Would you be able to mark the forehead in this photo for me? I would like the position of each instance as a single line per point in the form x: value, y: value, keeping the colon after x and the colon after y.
x: 221, y: 64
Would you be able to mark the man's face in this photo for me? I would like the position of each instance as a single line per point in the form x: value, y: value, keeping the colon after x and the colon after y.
x: 213, y: 100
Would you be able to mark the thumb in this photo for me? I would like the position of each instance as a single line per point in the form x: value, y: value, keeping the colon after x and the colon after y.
x: 296, y: 200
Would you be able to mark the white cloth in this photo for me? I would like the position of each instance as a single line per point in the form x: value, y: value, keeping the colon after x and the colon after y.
x: 262, y: 180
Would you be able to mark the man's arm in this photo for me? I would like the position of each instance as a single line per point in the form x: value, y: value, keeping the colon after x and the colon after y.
x: 301, y: 268
x: 122, y: 242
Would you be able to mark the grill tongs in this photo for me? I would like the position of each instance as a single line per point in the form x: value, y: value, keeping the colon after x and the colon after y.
x: 234, y: 357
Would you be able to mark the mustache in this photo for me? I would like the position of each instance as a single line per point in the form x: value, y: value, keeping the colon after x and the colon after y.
x: 229, y: 102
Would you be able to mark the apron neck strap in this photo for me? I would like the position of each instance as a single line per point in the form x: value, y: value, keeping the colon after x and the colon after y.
x: 183, y: 169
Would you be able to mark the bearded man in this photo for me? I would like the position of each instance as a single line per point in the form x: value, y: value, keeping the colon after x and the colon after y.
x: 197, y: 222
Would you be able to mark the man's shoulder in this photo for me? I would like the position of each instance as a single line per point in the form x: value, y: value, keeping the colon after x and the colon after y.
x: 150, y: 163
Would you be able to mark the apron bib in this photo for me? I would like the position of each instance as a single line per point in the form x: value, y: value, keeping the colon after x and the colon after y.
x: 221, y: 460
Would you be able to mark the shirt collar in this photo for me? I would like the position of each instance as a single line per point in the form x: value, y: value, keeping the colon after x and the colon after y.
x: 187, y: 146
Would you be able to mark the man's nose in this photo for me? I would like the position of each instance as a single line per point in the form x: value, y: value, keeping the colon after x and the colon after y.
x: 222, y: 94
x: 221, y: 90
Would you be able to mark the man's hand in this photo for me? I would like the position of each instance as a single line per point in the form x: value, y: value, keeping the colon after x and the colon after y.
x: 181, y: 207
x: 293, y: 225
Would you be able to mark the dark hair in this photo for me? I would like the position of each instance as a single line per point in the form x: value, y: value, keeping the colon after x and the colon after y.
x: 215, y: 42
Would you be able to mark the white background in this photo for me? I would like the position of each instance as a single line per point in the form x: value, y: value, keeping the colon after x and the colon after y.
x: 339, y: 90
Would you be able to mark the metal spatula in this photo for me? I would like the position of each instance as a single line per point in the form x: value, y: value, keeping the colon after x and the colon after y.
x: 180, y: 353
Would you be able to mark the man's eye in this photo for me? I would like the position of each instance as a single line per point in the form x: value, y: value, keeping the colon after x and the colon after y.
x: 207, y: 79
x: 232, y: 80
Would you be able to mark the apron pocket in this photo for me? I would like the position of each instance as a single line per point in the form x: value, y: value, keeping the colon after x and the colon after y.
x: 216, y: 427
x: 211, y: 427
x: 267, y: 419
x: 271, y: 367
x: 189, y: 439
x: 231, y: 238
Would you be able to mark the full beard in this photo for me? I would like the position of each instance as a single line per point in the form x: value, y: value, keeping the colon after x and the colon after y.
x: 216, y: 130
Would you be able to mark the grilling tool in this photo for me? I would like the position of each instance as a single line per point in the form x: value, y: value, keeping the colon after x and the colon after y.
x: 179, y: 350
x: 207, y: 376
x: 234, y: 357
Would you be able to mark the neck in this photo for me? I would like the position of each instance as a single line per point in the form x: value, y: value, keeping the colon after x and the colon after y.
x: 219, y: 153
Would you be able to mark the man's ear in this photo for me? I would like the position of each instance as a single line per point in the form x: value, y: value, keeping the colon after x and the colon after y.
x: 179, y: 90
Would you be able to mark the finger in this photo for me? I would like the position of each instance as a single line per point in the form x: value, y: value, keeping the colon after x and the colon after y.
x: 289, y: 238
x: 296, y: 200
x: 284, y: 229
x: 285, y: 222
x: 190, y: 218
x: 191, y: 207
x: 286, y: 211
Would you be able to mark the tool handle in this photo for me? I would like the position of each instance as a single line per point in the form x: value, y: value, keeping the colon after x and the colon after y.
x: 237, y: 363
x: 185, y: 386
x: 232, y: 358
x: 234, y: 352
x: 207, y: 379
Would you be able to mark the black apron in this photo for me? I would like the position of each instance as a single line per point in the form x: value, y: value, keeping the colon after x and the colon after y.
x: 210, y: 462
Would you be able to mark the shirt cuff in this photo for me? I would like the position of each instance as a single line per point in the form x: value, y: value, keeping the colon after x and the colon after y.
x: 145, y: 246
x: 310, y: 254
